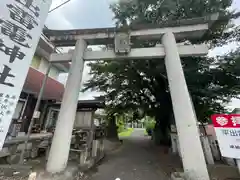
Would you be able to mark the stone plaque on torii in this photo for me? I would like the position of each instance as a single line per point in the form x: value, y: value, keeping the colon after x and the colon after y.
x: 169, y: 33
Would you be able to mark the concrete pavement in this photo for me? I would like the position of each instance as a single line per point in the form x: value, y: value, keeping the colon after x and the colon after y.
x: 138, y: 133
x: 133, y: 161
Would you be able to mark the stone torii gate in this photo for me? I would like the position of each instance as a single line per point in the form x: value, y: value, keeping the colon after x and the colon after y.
x: 190, y: 146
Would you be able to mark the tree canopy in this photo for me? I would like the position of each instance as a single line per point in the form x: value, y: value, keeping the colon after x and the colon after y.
x: 133, y: 85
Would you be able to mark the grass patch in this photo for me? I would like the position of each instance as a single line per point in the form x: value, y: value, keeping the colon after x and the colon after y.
x: 126, y: 133
x: 145, y: 133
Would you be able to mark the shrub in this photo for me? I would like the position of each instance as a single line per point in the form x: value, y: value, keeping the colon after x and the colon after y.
x: 120, y: 124
x: 149, y: 126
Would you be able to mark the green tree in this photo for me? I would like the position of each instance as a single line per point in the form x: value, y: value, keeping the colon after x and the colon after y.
x: 111, y: 129
x: 132, y: 85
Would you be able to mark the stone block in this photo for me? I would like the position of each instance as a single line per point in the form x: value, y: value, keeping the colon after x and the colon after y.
x: 34, y: 149
x: 95, y: 146
x: 84, y: 160
x: 13, y: 159
x: 13, y: 149
x: 34, y: 152
x: 184, y: 176
x: 181, y: 176
x: 22, y: 146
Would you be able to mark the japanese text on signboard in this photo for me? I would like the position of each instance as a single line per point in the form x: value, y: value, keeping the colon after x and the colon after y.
x: 21, y: 23
x: 18, y: 29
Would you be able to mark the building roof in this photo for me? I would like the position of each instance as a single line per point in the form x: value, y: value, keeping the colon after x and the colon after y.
x: 91, y: 104
x: 53, y: 89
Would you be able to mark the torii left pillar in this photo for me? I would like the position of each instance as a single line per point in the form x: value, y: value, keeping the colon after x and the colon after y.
x: 59, y: 152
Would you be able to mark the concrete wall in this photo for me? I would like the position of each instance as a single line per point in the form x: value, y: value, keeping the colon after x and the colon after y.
x: 36, y: 62
x: 54, y: 73
x: 43, y: 66
x: 83, y: 119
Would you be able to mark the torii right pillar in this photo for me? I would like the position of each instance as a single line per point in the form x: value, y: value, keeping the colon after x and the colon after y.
x: 190, y: 145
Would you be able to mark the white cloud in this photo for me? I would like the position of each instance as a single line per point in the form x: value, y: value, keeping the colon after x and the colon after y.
x: 56, y: 19
x: 223, y: 50
x: 234, y: 104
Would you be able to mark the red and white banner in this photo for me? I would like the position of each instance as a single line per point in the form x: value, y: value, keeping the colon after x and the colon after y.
x: 227, y: 128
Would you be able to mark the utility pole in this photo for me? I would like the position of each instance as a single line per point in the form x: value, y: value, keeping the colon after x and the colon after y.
x: 36, y: 109
x: 59, y: 6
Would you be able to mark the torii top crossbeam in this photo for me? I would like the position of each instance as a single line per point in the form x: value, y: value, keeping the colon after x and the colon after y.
x: 180, y: 28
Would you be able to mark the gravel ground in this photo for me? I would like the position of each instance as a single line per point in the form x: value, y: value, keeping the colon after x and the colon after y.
x: 21, y: 172
x: 15, y: 176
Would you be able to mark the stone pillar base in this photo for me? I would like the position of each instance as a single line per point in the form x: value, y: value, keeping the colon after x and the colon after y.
x: 69, y: 174
x: 178, y: 176
x: 185, y: 176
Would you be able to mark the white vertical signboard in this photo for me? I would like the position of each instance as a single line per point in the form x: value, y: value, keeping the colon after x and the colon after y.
x: 21, y: 24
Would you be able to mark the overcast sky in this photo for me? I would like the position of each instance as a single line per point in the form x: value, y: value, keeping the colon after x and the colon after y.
x: 96, y: 14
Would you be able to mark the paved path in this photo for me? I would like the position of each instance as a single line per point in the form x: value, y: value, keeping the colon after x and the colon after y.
x: 133, y: 161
